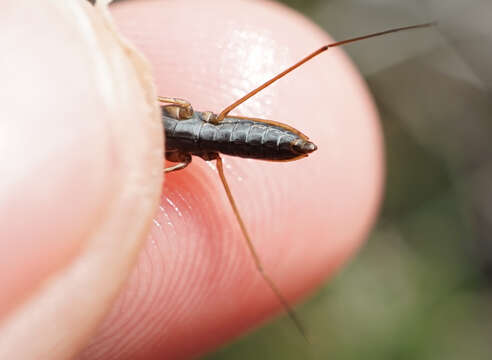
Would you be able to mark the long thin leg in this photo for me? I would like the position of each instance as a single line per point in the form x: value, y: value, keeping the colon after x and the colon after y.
x: 255, y: 256
x: 226, y: 111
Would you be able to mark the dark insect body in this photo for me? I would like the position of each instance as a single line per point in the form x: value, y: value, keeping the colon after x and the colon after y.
x: 207, y: 135
x: 235, y: 136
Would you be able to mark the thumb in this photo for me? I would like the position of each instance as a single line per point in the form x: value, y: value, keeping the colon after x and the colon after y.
x: 81, y: 171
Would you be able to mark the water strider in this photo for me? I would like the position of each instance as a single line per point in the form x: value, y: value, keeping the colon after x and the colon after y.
x: 207, y: 135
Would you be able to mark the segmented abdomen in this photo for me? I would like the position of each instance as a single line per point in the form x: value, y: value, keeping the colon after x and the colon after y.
x: 250, y: 139
x: 233, y: 136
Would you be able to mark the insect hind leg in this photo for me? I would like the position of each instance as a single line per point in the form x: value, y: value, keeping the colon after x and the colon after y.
x: 271, y: 284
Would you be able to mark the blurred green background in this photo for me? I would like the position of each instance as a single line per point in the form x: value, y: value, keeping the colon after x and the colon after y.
x: 421, y: 287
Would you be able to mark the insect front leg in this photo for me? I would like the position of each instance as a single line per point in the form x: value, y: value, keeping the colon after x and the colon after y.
x: 182, y: 159
x: 180, y: 109
x: 177, y: 167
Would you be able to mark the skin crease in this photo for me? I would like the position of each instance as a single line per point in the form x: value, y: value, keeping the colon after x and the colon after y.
x: 195, y: 286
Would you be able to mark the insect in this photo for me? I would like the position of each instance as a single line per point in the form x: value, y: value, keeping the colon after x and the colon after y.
x: 207, y: 135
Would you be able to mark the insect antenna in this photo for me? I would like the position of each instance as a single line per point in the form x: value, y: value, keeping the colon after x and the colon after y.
x: 226, y: 111
x: 254, y: 254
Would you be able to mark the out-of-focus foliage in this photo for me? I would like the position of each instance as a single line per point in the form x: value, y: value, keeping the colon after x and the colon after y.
x: 421, y: 287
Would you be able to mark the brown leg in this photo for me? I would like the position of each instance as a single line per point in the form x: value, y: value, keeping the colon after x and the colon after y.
x: 185, y: 110
x: 256, y: 258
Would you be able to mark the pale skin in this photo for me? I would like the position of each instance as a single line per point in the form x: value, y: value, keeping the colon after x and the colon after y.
x: 195, y: 285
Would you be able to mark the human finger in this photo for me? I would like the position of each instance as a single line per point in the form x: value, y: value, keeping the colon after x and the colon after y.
x: 196, y: 285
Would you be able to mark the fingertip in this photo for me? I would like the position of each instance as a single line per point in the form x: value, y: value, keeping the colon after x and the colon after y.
x: 306, y: 218
x: 213, y: 63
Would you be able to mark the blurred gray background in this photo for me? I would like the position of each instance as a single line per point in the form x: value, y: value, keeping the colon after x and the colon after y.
x: 421, y: 287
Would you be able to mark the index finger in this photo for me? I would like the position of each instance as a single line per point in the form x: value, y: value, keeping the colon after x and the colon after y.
x: 196, y: 285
